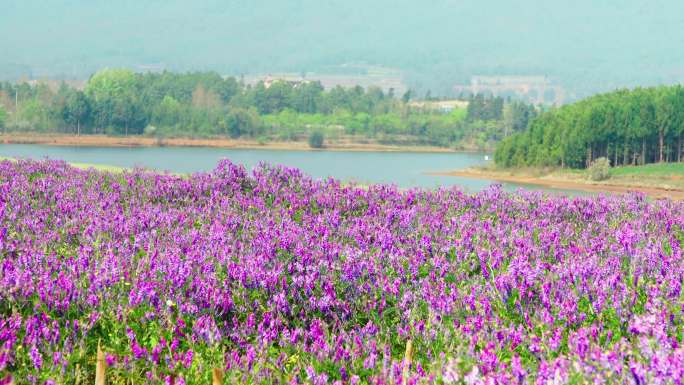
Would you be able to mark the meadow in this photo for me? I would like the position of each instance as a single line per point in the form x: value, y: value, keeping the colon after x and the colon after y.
x: 273, y: 277
x: 653, y: 169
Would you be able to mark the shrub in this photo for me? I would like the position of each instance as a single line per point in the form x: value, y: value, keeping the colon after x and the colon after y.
x: 150, y: 130
x: 599, y: 169
x: 316, y: 140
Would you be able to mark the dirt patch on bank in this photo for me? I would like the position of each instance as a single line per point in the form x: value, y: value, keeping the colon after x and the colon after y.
x: 140, y: 141
x: 570, y: 184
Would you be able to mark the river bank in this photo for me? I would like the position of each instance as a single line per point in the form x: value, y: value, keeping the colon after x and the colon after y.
x: 144, y: 141
x: 657, y: 186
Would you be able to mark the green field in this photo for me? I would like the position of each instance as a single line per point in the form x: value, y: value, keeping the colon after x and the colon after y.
x: 655, y: 169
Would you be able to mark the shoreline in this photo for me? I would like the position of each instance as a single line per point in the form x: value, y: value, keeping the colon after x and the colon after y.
x: 567, y: 183
x: 243, y: 144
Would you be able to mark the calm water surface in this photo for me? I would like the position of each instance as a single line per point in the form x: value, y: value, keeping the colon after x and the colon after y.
x: 403, y: 169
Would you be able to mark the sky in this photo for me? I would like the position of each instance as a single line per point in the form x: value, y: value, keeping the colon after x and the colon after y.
x: 585, y: 45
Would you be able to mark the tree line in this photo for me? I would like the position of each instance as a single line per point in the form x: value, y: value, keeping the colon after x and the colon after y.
x: 205, y: 104
x: 629, y: 127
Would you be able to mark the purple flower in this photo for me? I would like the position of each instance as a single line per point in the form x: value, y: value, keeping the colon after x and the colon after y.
x: 36, y: 357
x: 318, y: 280
x: 110, y: 359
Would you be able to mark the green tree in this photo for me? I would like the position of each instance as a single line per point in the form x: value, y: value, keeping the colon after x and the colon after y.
x: 407, y: 96
x: 626, y: 127
x: 3, y: 116
x: 114, y: 95
x: 337, y: 99
x: 34, y: 115
x: 665, y: 116
x: 76, y: 110
x: 117, y: 101
x: 306, y: 97
x: 241, y: 122
x: 678, y: 121
x: 168, y: 113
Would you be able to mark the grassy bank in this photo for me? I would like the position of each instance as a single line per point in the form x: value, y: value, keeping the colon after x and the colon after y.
x: 84, y: 166
x: 656, y: 180
x: 673, y: 171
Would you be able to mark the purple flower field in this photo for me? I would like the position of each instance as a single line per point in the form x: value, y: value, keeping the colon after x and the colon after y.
x: 278, y: 278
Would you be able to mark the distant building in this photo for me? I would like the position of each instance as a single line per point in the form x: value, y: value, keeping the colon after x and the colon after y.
x: 383, y: 81
x: 444, y: 106
x: 533, y: 89
x: 293, y: 81
x: 54, y: 85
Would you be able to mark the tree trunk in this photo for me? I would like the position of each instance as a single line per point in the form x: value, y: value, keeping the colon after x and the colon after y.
x: 643, y: 151
x: 615, y: 152
x: 661, y: 139
x: 625, y: 154
x: 78, y: 127
x: 667, y: 153
x: 679, y: 149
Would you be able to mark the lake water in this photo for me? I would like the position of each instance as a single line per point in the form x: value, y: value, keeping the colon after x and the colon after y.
x: 403, y: 169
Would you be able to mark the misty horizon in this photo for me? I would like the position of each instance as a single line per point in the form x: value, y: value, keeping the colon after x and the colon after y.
x: 585, y: 47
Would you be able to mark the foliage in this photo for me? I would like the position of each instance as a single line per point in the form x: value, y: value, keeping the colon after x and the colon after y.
x: 599, y: 169
x: 279, y: 278
x: 3, y: 116
x: 637, y: 127
x: 316, y: 139
x: 114, y: 96
x: 76, y: 110
x: 482, y: 108
x: 120, y: 102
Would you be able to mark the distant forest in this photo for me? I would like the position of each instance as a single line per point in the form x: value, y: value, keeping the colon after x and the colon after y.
x: 629, y: 127
x: 204, y: 104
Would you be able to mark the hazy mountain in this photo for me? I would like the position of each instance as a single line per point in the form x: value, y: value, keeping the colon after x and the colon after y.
x: 586, y: 45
